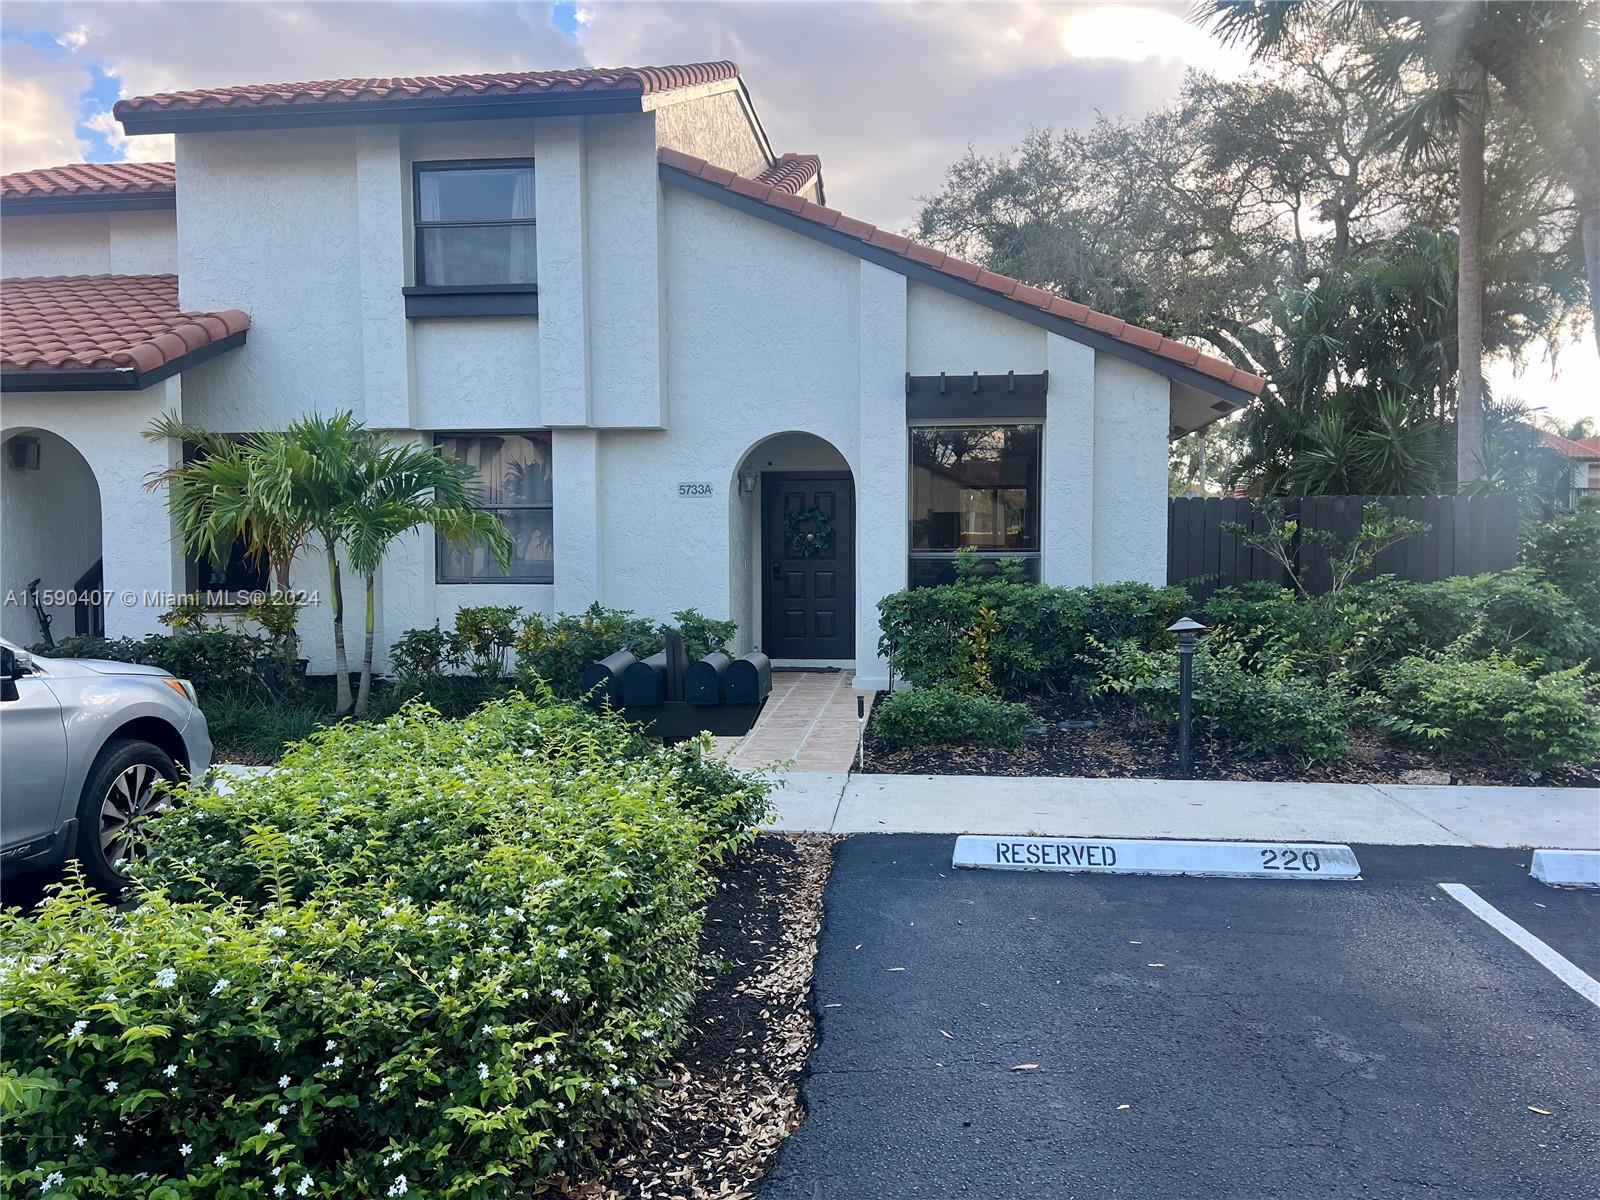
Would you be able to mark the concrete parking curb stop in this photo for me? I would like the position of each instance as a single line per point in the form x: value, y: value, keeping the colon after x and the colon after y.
x: 1567, y: 868
x: 1146, y: 856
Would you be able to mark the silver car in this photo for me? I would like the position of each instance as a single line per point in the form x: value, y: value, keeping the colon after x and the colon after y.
x: 87, y: 749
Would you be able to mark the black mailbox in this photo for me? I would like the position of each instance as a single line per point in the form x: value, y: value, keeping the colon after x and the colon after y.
x: 644, y: 683
x: 703, y: 684
x: 601, y: 682
x: 747, y: 680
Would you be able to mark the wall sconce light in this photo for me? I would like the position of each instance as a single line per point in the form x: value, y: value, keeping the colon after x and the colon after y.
x: 749, y: 481
x: 24, y: 453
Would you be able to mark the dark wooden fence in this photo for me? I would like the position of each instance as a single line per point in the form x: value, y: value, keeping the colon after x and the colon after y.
x: 1466, y: 536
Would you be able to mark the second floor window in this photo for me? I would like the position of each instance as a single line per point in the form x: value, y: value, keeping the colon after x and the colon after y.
x: 475, y: 224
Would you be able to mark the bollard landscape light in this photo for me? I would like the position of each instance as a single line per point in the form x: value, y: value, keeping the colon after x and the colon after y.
x: 1186, y: 628
x: 861, y: 732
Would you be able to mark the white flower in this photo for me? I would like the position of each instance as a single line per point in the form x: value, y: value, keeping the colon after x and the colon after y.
x: 455, y: 974
x: 283, y: 1081
x: 561, y: 953
x: 276, y: 931
x: 383, y: 1085
x: 112, y: 1086
x: 270, y: 1127
x: 219, y: 987
x: 166, y: 977
x: 483, y: 1071
x: 336, y: 1061
x: 560, y: 1143
x: 220, y: 1160
x: 560, y: 994
x: 77, y: 1029
x: 283, y: 1110
x: 279, y: 1190
x: 186, y: 1149
x: 488, y: 1031
x: 169, y: 1070
x: 399, y: 1186
x: 79, y: 1140
x: 304, y: 1186
x: 54, y: 1179
x: 330, y: 1045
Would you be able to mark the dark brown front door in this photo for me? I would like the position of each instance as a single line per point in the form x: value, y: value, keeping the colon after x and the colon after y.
x: 808, y: 600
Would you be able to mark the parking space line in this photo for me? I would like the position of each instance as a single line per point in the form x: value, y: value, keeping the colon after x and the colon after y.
x: 1557, y: 964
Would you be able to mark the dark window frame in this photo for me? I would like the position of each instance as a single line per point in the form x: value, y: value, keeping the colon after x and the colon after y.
x: 422, y: 287
x: 1031, y: 558
x: 439, y: 576
x: 197, y: 570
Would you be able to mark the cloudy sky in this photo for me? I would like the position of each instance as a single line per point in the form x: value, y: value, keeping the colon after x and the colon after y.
x: 888, y: 93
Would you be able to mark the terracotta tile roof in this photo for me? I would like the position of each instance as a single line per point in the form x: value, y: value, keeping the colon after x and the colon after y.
x: 1004, y: 285
x: 791, y: 173
x: 91, y: 179
x: 1586, y: 449
x: 102, y: 322
x: 644, y: 80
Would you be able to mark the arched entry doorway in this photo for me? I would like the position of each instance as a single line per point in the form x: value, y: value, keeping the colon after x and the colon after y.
x: 51, y: 502
x: 798, y: 521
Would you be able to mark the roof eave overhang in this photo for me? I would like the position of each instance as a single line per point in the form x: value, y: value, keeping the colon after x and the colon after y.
x: 381, y: 112
x: 88, y: 202
x: 922, y: 273
x: 115, y: 379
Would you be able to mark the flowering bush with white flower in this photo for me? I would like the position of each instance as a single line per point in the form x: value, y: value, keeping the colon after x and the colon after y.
x: 416, y: 960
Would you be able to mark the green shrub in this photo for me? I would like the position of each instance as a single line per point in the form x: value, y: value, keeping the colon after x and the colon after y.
x: 1024, y: 637
x: 1516, y: 612
x: 1496, y: 709
x: 426, y: 957
x: 484, y: 637
x: 419, y: 654
x: 253, y: 729
x: 928, y: 716
x: 214, y: 660
x: 1255, y: 703
x: 1566, y: 548
x: 557, y: 650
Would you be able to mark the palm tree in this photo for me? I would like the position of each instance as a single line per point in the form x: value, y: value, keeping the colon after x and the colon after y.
x: 396, y: 488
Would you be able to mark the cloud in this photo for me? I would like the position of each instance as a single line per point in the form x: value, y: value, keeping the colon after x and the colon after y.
x: 36, y: 94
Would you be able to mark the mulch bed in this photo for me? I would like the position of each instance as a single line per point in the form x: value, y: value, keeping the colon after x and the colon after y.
x: 1123, y: 745
x: 732, y: 1095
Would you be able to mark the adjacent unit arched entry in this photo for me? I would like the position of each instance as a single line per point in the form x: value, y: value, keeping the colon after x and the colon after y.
x: 800, y: 505
x: 52, y: 534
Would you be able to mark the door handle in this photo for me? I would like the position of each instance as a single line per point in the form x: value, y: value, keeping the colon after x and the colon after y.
x: 777, y: 569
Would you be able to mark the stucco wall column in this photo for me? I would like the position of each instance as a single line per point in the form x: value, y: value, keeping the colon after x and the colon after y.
x: 563, y: 253
x: 575, y: 462
x: 1069, y: 444
x: 881, y: 480
x: 1132, y: 415
x: 140, y: 547
x: 382, y: 201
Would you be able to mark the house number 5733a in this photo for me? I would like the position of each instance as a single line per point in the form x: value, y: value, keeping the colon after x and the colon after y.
x: 694, y: 489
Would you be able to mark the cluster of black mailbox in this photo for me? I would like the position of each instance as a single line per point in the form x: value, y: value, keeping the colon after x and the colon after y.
x: 674, y: 698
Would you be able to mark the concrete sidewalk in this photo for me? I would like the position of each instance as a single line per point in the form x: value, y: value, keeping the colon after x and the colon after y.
x: 1392, y: 815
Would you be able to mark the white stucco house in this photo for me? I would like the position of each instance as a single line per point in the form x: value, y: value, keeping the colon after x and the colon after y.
x: 668, y: 358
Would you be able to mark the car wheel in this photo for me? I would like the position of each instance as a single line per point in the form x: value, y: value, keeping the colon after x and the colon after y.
x: 127, y: 786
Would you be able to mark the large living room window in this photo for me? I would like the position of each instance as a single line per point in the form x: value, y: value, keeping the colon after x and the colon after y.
x: 973, y: 487
x: 514, y: 472
x: 475, y: 224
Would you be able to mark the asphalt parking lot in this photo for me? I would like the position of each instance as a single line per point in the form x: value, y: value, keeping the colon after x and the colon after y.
x: 1007, y: 1035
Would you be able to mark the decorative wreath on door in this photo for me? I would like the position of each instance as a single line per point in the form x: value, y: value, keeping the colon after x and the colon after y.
x: 808, y: 532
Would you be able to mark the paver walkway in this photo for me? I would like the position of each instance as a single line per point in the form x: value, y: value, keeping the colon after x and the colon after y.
x: 809, y: 718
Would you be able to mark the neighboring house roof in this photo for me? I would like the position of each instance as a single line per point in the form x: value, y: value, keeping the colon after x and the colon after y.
x: 82, y: 187
x: 792, y: 173
x: 104, y: 332
x: 1587, y: 450
x: 346, y: 101
x: 1019, y: 299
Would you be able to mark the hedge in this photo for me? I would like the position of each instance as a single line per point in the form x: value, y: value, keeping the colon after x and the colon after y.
x: 424, y: 956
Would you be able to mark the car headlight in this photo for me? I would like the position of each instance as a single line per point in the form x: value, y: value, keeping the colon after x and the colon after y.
x: 183, y: 687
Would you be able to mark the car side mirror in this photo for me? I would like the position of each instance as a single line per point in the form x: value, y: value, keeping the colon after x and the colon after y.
x: 9, y: 668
